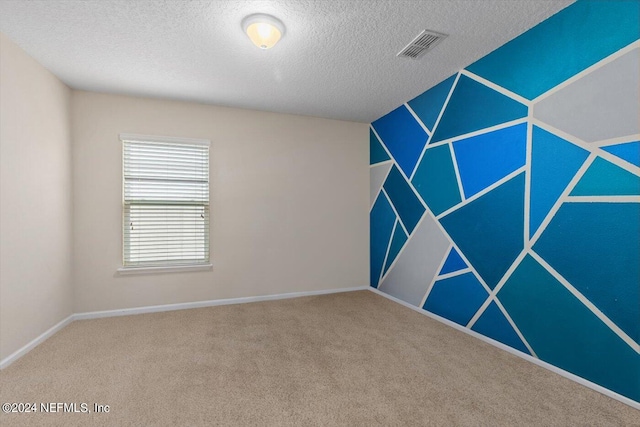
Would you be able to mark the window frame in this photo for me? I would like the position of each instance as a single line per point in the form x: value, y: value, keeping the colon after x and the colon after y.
x: 170, y: 266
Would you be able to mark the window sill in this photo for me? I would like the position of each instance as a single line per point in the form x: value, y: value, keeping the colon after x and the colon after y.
x: 126, y: 271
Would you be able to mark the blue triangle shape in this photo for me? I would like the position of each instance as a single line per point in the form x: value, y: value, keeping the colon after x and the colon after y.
x: 428, y: 105
x: 629, y: 151
x: 489, y: 230
x: 453, y: 263
x: 403, y: 136
x: 554, y: 162
x: 456, y: 298
x: 474, y: 106
x: 493, y: 324
x: 603, y: 178
x: 487, y: 158
x: 377, y: 153
x: 397, y: 242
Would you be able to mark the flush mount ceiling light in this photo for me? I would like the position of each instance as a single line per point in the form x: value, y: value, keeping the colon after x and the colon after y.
x: 263, y: 30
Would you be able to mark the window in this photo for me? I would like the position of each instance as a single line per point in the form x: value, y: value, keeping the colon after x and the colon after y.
x: 165, y: 201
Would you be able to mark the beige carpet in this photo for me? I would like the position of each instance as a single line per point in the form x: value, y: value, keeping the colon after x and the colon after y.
x: 353, y: 359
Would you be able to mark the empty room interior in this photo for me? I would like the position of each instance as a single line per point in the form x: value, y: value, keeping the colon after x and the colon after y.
x: 297, y: 212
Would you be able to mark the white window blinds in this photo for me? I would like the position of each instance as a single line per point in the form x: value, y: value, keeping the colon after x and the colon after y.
x: 166, y: 201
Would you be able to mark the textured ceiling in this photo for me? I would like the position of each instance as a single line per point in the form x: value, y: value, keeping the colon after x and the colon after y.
x: 337, y: 59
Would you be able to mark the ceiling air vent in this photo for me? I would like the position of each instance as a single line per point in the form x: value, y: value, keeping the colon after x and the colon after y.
x: 424, y: 42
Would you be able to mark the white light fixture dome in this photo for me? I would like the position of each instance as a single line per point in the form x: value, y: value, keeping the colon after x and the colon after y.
x: 263, y: 30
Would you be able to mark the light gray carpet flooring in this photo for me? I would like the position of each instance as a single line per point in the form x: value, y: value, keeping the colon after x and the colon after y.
x: 352, y: 359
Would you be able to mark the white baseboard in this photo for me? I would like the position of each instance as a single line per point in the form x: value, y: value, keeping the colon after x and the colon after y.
x: 515, y: 352
x: 34, y: 342
x: 159, y: 308
x: 210, y: 303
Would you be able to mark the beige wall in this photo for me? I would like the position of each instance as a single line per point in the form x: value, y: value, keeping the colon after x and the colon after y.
x: 289, y: 201
x: 35, y: 199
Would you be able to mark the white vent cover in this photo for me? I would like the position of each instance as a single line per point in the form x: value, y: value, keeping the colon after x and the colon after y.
x: 424, y: 42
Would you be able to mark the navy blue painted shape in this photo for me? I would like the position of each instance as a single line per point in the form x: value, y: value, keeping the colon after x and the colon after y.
x: 428, y: 105
x: 562, y: 46
x: 489, y: 230
x: 629, y: 151
x: 377, y: 153
x: 453, y: 263
x: 457, y: 298
x: 397, y: 242
x: 595, y: 247
x: 474, y: 106
x: 564, y: 332
x: 404, y: 199
x: 554, y: 162
x: 381, y: 223
x: 493, y: 324
x: 403, y: 136
x: 487, y: 158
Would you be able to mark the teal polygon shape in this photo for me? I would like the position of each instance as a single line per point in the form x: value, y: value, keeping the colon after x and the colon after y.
x: 562, y: 331
x: 603, y: 178
x: 435, y: 179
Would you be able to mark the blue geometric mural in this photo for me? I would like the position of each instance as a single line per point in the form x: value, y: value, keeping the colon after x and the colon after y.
x: 534, y: 234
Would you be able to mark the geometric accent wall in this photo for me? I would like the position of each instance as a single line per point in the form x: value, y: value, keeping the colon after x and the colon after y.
x: 507, y: 198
